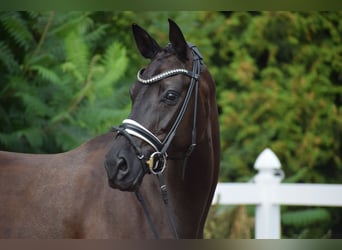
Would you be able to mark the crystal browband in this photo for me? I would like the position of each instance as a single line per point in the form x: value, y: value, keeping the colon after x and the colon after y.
x: 166, y: 74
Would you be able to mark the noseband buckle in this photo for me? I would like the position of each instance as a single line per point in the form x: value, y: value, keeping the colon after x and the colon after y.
x: 156, y: 163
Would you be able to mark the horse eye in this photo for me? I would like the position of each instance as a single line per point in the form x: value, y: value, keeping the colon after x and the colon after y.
x: 171, y: 97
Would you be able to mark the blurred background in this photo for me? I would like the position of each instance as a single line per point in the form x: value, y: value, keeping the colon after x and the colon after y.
x: 64, y: 78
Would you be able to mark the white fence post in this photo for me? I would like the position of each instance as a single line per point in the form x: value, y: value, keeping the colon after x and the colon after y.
x: 268, y: 194
x: 267, y: 214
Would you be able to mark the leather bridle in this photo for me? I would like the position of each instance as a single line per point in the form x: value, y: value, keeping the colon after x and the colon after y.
x: 156, y: 162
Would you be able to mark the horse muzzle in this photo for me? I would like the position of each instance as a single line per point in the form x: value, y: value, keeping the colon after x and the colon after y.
x: 123, y: 172
x: 131, y: 130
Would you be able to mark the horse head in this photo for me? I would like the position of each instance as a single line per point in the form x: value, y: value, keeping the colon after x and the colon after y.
x: 167, y: 100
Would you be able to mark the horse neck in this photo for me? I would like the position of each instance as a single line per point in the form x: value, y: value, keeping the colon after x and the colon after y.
x: 192, y: 188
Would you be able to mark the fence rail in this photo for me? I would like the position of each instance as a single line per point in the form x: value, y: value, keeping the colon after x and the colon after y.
x: 268, y: 193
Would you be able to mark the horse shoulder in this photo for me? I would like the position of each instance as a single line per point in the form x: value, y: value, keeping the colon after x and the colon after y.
x: 49, y: 195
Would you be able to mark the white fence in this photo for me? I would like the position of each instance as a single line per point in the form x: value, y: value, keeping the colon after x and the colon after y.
x: 267, y: 192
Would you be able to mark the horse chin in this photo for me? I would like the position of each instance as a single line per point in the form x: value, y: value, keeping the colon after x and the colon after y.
x: 129, y: 186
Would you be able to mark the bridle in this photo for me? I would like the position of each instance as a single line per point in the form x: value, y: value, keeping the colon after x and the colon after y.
x: 156, y: 162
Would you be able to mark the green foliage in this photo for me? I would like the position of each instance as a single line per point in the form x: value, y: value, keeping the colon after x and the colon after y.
x: 307, y: 223
x: 282, y: 92
x: 64, y: 78
x: 282, y: 88
x: 227, y: 222
x: 305, y: 217
x: 56, y: 91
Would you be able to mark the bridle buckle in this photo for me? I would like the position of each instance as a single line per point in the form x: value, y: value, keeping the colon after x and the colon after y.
x: 156, y: 163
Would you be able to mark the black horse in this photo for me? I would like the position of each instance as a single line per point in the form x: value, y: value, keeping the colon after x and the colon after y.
x: 173, y: 126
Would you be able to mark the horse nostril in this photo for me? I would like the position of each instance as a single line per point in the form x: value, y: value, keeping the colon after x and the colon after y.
x: 122, y: 169
x: 122, y: 165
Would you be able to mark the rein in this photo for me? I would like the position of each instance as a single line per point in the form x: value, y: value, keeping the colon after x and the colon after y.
x: 156, y: 162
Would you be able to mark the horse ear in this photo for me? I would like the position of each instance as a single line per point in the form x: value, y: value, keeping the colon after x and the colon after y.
x: 178, y: 41
x: 147, y: 46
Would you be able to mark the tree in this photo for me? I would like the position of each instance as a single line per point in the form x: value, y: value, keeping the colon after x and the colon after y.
x: 283, y: 90
x: 57, y: 89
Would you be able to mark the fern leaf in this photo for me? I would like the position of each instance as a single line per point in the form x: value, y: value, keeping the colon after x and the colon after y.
x: 7, y: 58
x: 64, y: 23
x: 96, y: 35
x: 68, y: 137
x: 115, y: 63
x: 46, y: 74
x: 31, y: 136
x: 19, y: 83
x: 62, y: 116
x: 33, y: 14
x: 77, y: 53
x: 34, y: 106
x: 17, y: 28
x: 34, y: 136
